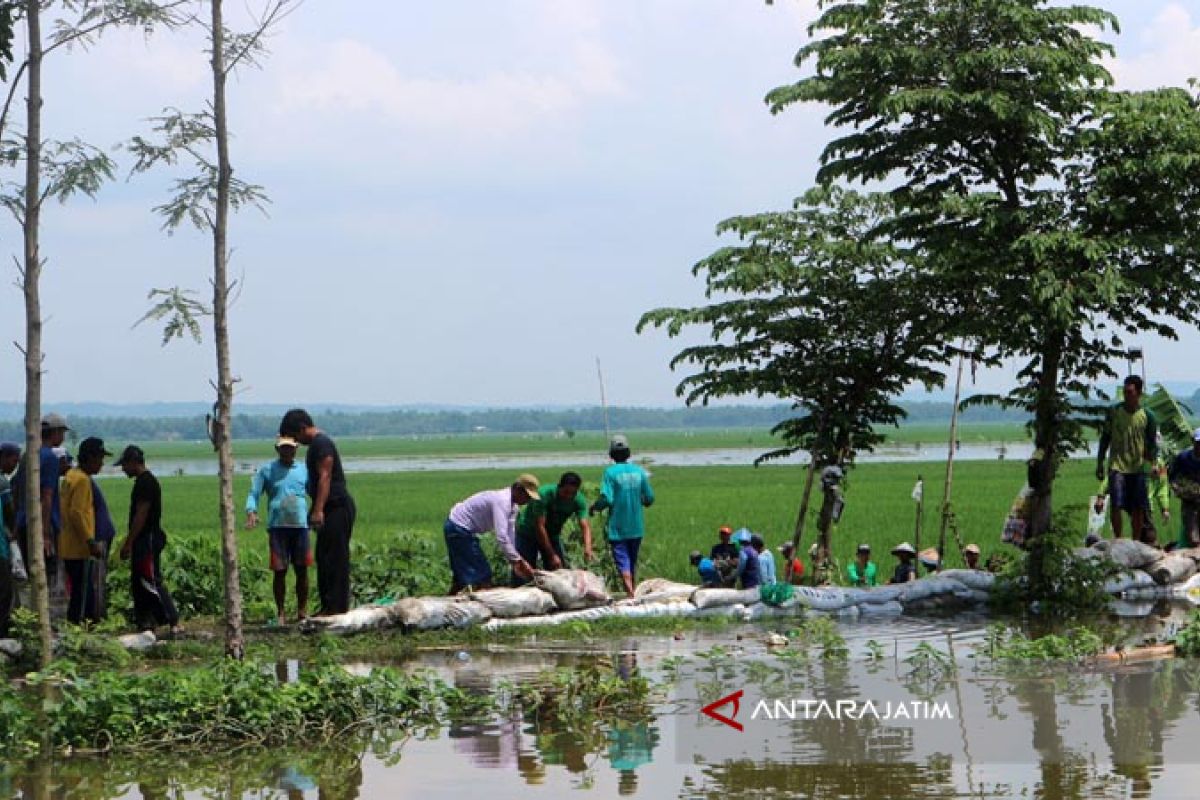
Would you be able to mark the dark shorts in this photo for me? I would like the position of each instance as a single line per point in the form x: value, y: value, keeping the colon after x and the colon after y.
x: 289, y: 546
x: 625, y: 554
x: 1128, y: 490
x: 468, y: 564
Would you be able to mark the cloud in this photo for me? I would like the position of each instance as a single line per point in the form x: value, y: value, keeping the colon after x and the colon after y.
x: 1171, y: 56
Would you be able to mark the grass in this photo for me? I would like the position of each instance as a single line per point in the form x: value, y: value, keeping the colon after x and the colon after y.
x: 480, y: 444
x: 692, y: 503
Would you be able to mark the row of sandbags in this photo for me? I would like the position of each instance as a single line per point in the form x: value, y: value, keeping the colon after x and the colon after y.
x: 1142, y: 566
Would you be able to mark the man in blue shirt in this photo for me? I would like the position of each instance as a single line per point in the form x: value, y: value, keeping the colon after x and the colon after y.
x: 1184, y: 476
x: 284, y: 480
x: 709, y: 577
x: 54, y: 433
x: 749, y: 572
x: 10, y: 455
x: 624, y: 492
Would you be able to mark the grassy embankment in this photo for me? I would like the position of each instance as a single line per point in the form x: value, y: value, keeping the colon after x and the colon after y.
x: 692, y: 503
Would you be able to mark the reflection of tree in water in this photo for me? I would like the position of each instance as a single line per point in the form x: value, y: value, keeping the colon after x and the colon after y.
x: 1144, y: 700
x: 901, y: 780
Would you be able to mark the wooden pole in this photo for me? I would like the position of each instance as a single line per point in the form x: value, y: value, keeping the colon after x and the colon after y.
x: 603, y: 400
x: 798, y: 531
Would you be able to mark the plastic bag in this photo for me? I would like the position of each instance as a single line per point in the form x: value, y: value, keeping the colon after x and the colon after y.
x: 525, y: 601
x: 20, y: 575
x: 573, y: 588
x: 1096, y: 519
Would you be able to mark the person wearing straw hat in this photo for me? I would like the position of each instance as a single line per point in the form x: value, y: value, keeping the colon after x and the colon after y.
x: 77, y: 542
x: 971, y: 556
x: 905, y: 571
x: 930, y: 559
x: 863, y: 571
x: 495, y: 511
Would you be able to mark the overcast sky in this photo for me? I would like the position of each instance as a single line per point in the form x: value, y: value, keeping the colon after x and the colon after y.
x: 471, y: 200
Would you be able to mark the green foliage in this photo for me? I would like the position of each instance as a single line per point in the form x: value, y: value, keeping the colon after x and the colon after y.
x: 403, y: 564
x: 229, y: 703
x: 1005, y: 643
x: 572, y: 698
x: 800, y: 317
x: 1187, y: 640
x: 181, y: 310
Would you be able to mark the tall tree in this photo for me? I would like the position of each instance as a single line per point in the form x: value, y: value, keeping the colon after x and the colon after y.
x: 1061, y: 213
x: 814, y: 306
x: 58, y: 170
x: 205, y: 199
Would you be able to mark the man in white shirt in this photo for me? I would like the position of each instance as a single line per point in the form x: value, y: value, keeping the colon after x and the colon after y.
x: 495, y: 511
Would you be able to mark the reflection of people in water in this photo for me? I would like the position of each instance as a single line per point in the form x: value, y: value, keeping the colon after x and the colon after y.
x: 1133, y: 727
x: 630, y: 745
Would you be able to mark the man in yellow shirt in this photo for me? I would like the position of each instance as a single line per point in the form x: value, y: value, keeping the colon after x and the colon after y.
x: 77, y: 543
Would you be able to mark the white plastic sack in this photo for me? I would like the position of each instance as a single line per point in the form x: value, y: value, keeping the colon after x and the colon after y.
x: 889, y: 608
x: 826, y: 598
x: 971, y: 578
x: 524, y: 601
x: 581, y: 615
x: 677, y: 608
x: 18, y: 563
x: 430, y: 613
x: 658, y: 590
x: 1130, y: 554
x: 1096, y: 519
x: 713, y: 598
x: 1171, y: 568
x: 573, y: 588
x: 1129, y: 579
x: 365, y: 618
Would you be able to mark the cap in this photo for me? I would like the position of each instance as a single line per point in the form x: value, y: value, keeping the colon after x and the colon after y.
x: 131, y: 455
x: 724, y: 529
x: 286, y: 441
x: 529, y: 483
x: 929, y: 556
x: 904, y: 547
x: 92, y: 447
x: 10, y: 449
x: 618, y: 442
x: 971, y: 548
x: 863, y: 548
x: 53, y: 422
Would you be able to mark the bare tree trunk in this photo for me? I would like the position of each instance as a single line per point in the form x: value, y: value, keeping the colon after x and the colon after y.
x: 234, y: 645
x: 949, y: 484
x: 32, y: 269
x: 1042, y: 466
x: 798, y: 532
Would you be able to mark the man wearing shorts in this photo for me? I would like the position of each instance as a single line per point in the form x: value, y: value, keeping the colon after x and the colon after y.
x: 1131, y: 433
x: 284, y: 481
x: 624, y: 492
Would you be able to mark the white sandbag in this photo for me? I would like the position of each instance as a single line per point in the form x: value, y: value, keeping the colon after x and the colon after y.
x: 1089, y: 553
x: 573, y: 588
x: 1170, y: 569
x: 824, y: 598
x: 365, y: 618
x: 712, y: 598
x: 1191, y: 552
x: 977, y: 597
x: 523, y: 601
x: 767, y: 611
x: 889, y: 608
x: 875, y: 594
x: 557, y: 618
x: 925, y: 588
x: 137, y: 641
x: 1128, y: 553
x: 735, y: 610
x: 1131, y: 608
x: 977, y: 579
x: 657, y: 589
x: 662, y: 609
x: 431, y: 613
x: 1127, y: 580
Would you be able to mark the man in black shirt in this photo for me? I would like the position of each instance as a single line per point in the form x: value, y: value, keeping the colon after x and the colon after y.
x: 332, y: 513
x: 144, y: 543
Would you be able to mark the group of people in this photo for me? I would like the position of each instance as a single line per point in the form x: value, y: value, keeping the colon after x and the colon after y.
x: 77, y: 529
x: 528, y: 518
x: 1137, y: 479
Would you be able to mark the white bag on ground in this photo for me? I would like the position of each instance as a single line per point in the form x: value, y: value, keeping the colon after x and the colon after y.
x: 581, y: 615
x: 971, y: 578
x: 1129, y: 579
x: 430, y: 613
x: 1171, y: 568
x: 524, y: 601
x: 825, y: 598
x: 661, y: 590
x: 573, y: 588
x: 1096, y: 519
x: 715, y: 598
x: 1130, y: 554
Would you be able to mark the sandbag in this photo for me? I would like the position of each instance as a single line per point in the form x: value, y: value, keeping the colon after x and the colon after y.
x: 1171, y: 568
x: 1128, y: 553
x: 712, y: 598
x: 364, y: 618
x: 734, y: 610
x: 137, y: 641
x: 767, y: 611
x: 1131, y: 608
x: 1191, y: 552
x: 525, y: 601
x: 674, y: 608
x: 573, y: 588
x: 557, y: 618
x: 431, y: 613
x: 934, y: 586
x: 1127, y: 580
x: 662, y: 586
x: 824, y: 598
x: 971, y: 578
x: 889, y: 608
x: 11, y: 648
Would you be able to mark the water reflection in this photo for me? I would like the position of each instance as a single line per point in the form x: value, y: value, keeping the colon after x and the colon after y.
x: 1048, y: 732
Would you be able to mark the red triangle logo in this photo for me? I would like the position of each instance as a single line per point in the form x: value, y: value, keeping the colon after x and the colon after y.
x: 710, y: 710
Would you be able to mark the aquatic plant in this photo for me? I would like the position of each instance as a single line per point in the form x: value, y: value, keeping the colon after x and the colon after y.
x: 1187, y: 640
x: 1005, y: 643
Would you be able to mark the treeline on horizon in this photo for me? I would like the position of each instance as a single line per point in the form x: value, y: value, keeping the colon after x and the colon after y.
x: 500, y: 420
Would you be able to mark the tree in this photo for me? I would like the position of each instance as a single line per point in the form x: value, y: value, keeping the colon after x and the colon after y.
x: 205, y: 199
x: 1059, y: 213
x: 817, y: 307
x: 58, y: 170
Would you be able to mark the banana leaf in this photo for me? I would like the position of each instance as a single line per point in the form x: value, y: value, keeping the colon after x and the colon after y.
x: 1172, y: 416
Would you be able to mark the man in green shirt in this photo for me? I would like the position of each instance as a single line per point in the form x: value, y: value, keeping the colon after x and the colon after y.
x: 862, y: 572
x: 539, y: 529
x: 1130, y: 438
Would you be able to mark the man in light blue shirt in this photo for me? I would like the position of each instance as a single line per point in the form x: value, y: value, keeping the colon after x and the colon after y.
x: 766, y: 560
x: 624, y: 492
x: 284, y: 480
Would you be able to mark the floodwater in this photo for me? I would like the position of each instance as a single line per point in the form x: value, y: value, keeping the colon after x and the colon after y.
x: 974, y: 731
x: 739, y: 456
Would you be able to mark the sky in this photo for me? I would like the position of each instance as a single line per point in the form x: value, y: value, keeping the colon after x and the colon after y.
x: 471, y: 202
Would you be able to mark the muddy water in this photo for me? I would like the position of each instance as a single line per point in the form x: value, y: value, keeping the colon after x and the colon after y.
x: 971, y: 729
